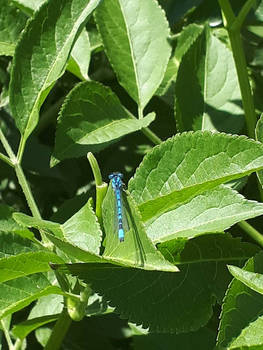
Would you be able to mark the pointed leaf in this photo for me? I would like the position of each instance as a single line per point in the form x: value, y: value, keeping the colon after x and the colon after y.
x: 29, y: 6
x: 20, y: 257
x: 41, y: 56
x: 207, y: 77
x: 40, y: 224
x: 12, y: 23
x: 90, y: 119
x: 187, y: 37
x: 18, y: 293
x: 250, y: 338
x: 73, y: 251
x: 22, y: 329
x: 172, y: 302
x: 259, y: 137
x: 250, y: 279
x: 11, y: 244
x: 78, y: 63
x: 135, y: 37
x: 136, y: 250
x: 188, y: 164
x: 82, y: 229
x: 8, y: 224
x: 203, y: 339
x: 241, y: 306
x: 214, y: 247
x: 26, y: 264
x: 212, y: 211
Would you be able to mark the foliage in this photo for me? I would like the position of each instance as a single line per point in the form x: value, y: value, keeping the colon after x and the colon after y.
x: 169, y: 94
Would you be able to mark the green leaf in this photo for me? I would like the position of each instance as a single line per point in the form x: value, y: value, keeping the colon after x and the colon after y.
x: 12, y: 23
x: 18, y: 293
x: 47, y: 306
x: 250, y: 338
x: 73, y: 251
x: 12, y: 244
x: 8, y: 224
x: 212, y: 211
x: 40, y: 224
x: 41, y: 56
x: 137, y: 49
x: 186, y: 39
x: 241, y: 306
x: 188, y: 164
x: 136, y: 250
x: 82, y: 229
x: 78, y: 63
x: 24, y: 328
x: 172, y: 302
x: 207, y: 77
x: 20, y: 257
x: 214, y: 247
x: 250, y: 279
x: 169, y: 77
x: 91, y: 118
x: 26, y: 264
x: 259, y: 137
x: 28, y: 6
x: 203, y: 339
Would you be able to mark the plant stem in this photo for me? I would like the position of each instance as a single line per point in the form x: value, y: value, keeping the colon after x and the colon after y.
x: 95, y: 168
x: 15, y: 163
x: 140, y: 112
x: 252, y: 232
x: 244, y: 85
x: 6, y: 159
x: 59, y: 331
x: 243, y: 12
x: 7, y: 148
x: 27, y: 191
x: 7, y: 335
x: 152, y: 136
x: 18, y: 344
x: 233, y: 25
x: 101, y: 187
x: 21, y: 149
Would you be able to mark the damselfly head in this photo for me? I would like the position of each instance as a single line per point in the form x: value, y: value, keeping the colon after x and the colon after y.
x: 115, y: 174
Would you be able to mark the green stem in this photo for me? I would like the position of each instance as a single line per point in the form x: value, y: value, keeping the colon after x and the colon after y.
x: 252, y: 232
x: 95, y: 168
x: 140, y: 112
x: 233, y: 27
x: 20, y: 176
x: 152, y: 136
x: 7, y: 336
x: 59, y: 331
x: 27, y: 191
x: 101, y: 187
x: 7, y: 148
x: 6, y: 159
x: 245, y: 89
x: 243, y: 13
x: 100, y: 194
x: 21, y: 149
x: 18, y: 344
